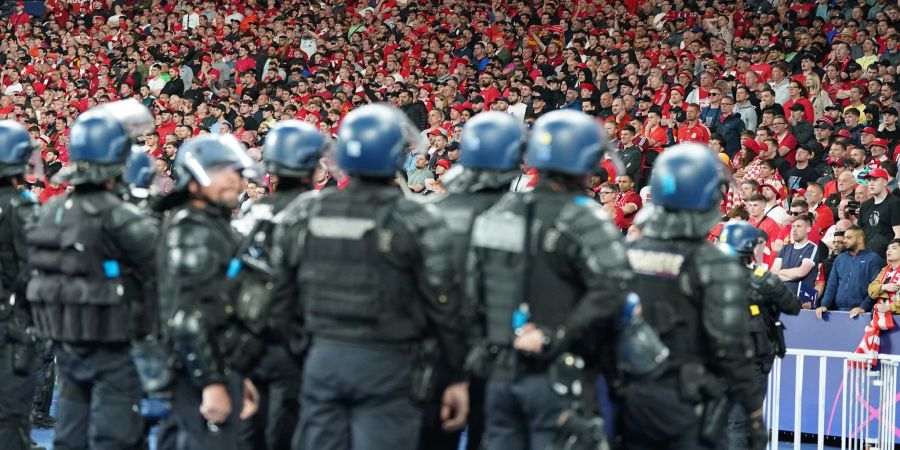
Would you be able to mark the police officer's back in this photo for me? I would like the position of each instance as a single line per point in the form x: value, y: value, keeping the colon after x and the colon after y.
x: 694, y: 297
x: 92, y: 254
x: 198, y: 275
x: 291, y: 152
x: 548, y: 274
x: 490, y: 154
x: 769, y: 297
x: 369, y: 274
x: 18, y: 347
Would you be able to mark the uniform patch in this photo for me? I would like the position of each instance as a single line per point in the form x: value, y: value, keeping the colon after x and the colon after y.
x: 656, y: 263
x: 760, y: 271
x: 754, y: 310
x: 340, y: 227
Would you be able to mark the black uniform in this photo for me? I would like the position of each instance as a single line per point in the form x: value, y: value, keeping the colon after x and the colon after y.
x: 277, y: 375
x: 197, y: 281
x: 368, y: 274
x: 555, y: 257
x: 769, y: 298
x: 471, y: 192
x: 18, y: 347
x: 93, y: 256
x: 694, y: 297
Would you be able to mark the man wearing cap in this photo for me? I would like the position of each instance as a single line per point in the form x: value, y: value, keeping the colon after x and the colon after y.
x: 803, y: 173
x: 798, y: 126
x: 879, y: 216
x: 888, y: 129
x: 878, y: 149
x: 822, y: 132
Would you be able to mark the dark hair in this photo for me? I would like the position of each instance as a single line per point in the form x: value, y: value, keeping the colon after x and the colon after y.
x: 805, y: 218
x: 738, y: 212
x: 758, y: 198
x: 800, y: 203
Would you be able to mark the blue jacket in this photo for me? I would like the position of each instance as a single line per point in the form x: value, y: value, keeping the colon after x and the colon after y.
x: 849, y: 280
x: 730, y: 129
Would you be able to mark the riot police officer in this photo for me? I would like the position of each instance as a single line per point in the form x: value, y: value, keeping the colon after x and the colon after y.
x: 490, y: 153
x: 18, y: 346
x: 291, y: 152
x: 550, y: 263
x: 769, y: 297
x: 93, y: 254
x: 694, y: 297
x: 369, y: 275
x: 198, y: 272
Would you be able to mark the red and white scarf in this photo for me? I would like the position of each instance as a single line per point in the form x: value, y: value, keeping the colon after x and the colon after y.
x: 871, y: 340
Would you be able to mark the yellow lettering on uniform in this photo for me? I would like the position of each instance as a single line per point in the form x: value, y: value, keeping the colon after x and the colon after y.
x: 754, y: 310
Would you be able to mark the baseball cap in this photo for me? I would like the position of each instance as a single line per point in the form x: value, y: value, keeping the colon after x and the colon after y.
x: 877, y: 173
x: 880, y: 142
x: 892, y: 111
x: 845, y: 133
x: 833, y: 108
x: 869, y: 130
x: 478, y: 99
x: 853, y: 66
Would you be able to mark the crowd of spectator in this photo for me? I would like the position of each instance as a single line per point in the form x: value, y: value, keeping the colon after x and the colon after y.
x: 799, y: 98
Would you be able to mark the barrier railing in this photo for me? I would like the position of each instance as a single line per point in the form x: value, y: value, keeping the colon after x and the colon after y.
x: 860, y: 385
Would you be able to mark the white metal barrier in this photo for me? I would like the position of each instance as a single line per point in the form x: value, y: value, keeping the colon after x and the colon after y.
x: 857, y: 408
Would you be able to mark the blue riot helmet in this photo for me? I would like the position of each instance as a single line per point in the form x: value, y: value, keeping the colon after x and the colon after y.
x: 685, y: 193
x: 200, y: 156
x: 139, y: 169
x: 493, y: 141
x: 15, y: 148
x: 293, y: 148
x: 687, y: 177
x: 567, y: 141
x: 740, y: 237
x: 101, y: 139
x: 373, y: 141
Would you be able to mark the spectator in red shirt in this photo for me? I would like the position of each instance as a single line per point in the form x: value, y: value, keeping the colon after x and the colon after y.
x: 756, y: 207
x: 608, y: 193
x: 815, y: 199
x: 787, y: 144
x: 692, y: 130
x: 627, y: 199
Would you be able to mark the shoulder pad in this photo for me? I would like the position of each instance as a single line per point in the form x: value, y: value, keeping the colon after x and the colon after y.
x: 601, y: 243
x: 190, y: 247
x: 98, y: 202
x: 298, y: 209
x: 715, y: 266
x: 417, y: 217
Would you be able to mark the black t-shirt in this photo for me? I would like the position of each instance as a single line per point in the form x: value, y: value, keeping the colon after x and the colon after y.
x: 877, y: 220
x: 798, y: 178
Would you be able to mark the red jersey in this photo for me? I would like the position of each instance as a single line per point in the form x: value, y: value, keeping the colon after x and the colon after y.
x: 624, y: 198
x: 697, y: 133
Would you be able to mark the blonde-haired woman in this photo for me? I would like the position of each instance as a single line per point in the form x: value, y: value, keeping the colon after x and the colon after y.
x: 818, y: 97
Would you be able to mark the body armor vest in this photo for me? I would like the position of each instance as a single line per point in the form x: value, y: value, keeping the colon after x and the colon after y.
x: 78, y: 294
x: 355, y: 279
x: 516, y: 242
x: 669, y: 297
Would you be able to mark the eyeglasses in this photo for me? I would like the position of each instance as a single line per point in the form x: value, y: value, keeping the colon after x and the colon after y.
x: 779, y: 123
x: 713, y: 94
x: 796, y: 213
